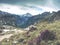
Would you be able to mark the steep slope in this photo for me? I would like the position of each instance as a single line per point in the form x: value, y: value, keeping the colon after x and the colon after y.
x: 46, y: 16
x: 37, y: 18
x: 26, y: 20
x: 33, y: 37
x: 13, y: 19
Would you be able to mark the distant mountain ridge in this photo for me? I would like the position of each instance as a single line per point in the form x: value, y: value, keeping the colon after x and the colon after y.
x: 26, y: 20
x: 12, y: 19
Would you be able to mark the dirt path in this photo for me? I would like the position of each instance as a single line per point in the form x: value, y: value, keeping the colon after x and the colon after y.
x: 5, y: 36
x: 9, y: 35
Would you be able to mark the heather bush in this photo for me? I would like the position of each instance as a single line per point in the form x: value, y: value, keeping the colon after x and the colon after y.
x: 37, y: 40
x: 48, y: 35
x: 58, y: 43
x: 27, y: 34
x: 21, y: 40
x: 30, y: 42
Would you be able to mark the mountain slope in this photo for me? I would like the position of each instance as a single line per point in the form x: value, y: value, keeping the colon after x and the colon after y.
x: 12, y: 19
x: 32, y: 36
x: 26, y: 20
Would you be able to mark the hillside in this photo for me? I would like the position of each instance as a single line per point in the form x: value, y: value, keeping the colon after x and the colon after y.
x: 45, y: 29
x: 26, y: 20
x: 13, y: 19
x: 31, y: 38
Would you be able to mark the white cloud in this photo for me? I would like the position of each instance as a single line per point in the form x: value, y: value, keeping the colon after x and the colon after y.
x: 12, y: 9
x: 18, y: 9
x: 23, y: 10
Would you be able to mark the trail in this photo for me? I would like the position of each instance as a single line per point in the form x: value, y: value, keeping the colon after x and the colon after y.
x: 5, y: 36
x: 9, y: 35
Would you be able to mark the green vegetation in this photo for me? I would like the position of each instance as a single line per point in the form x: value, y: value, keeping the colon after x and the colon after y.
x: 24, y: 38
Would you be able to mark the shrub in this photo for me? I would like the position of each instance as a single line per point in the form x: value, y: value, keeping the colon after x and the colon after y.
x: 21, y: 40
x: 37, y: 40
x: 30, y: 42
x: 47, y: 35
x: 58, y: 43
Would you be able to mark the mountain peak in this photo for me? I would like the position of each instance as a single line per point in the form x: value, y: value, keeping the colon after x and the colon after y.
x: 27, y: 15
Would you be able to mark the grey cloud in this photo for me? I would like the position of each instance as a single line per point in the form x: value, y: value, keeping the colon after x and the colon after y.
x: 23, y: 2
x: 35, y: 2
x: 56, y: 3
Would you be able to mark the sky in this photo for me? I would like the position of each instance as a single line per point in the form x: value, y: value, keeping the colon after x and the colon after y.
x: 33, y: 7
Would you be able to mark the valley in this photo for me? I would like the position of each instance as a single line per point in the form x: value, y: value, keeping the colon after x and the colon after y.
x: 42, y: 29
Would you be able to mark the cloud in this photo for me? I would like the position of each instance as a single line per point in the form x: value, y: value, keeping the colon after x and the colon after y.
x: 12, y: 9
x: 32, y: 9
x: 36, y: 2
x: 56, y: 3
x: 29, y: 6
x: 20, y: 9
x: 24, y: 2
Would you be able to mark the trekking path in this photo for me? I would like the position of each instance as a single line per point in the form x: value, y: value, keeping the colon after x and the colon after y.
x: 9, y: 35
x: 5, y: 36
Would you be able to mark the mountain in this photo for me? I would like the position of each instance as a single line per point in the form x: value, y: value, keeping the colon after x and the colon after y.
x: 46, y: 16
x: 53, y: 16
x: 43, y: 33
x: 26, y: 20
x: 37, y: 18
x: 13, y: 19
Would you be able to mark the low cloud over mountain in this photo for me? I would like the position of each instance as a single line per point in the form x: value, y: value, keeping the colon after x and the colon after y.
x: 29, y: 6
